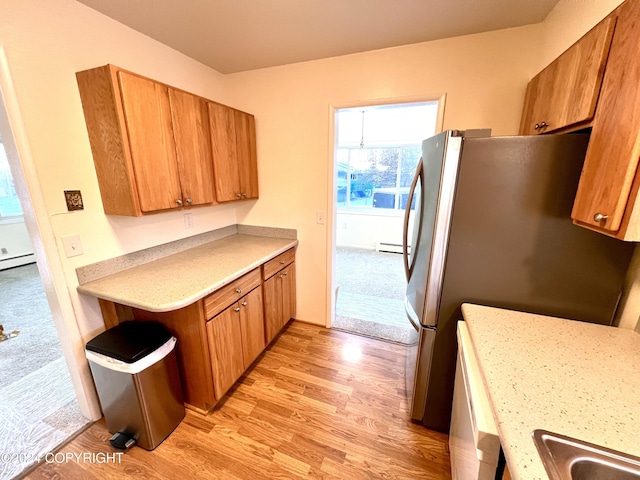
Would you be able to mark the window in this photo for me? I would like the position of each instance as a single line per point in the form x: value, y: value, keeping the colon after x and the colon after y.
x: 378, y: 149
x: 9, y: 203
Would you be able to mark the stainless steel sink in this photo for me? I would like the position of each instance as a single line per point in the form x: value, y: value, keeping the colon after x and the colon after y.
x: 566, y: 458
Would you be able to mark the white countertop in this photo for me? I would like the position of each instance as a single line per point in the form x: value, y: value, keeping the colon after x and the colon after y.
x: 183, y: 278
x: 574, y: 378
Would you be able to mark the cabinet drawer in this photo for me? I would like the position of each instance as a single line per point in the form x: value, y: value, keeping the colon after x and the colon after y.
x: 225, y: 296
x: 275, y: 264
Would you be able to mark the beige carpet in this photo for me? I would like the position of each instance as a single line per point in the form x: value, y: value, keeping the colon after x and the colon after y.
x: 370, y: 300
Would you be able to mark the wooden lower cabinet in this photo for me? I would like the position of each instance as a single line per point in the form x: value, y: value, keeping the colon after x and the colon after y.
x: 236, y: 338
x: 252, y: 326
x: 225, y: 348
x: 279, y: 300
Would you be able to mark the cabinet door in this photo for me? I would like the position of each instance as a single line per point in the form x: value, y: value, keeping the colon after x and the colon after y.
x: 153, y: 154
x: 225, y: 348
x: 566, y: 92
x: 288, y: 293
x: 225, y: 159
x: 614, y: 149
x: 272, y: 306
x: 193, y: 147
x: 252, y: 326
x: 247, y: 159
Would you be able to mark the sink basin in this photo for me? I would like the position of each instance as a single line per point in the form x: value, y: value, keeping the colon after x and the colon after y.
x: 566, y: 458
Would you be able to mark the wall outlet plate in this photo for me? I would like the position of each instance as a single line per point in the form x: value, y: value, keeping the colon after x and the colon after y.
x: 74, y: 200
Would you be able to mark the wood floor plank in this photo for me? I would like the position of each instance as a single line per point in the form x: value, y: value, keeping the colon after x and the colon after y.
x: 317, y: 404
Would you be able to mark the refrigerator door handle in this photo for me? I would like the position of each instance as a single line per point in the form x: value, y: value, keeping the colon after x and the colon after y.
x: 405, y: 228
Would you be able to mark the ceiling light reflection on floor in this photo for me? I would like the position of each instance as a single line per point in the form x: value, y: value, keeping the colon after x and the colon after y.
x: 351, y: 352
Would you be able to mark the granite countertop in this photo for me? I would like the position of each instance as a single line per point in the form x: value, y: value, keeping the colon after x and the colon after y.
x: 181, y: 279
x: 574, y: 378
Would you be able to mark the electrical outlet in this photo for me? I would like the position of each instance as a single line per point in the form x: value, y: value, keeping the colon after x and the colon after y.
x: 72, y: 245
x: 3, y: 251
x: 188, y: 220
x: 320, y: 217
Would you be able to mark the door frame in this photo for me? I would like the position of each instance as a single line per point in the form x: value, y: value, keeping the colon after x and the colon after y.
x: 37, y: 221
x: 332, y: 195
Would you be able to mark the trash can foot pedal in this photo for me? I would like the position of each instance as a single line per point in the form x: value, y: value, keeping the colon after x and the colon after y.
x: 122, y: 441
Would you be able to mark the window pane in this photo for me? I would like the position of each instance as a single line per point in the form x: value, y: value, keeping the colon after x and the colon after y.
x: 9, y: 203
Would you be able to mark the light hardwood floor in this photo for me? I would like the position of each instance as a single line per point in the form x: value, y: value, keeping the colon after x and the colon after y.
x: 317, y: 404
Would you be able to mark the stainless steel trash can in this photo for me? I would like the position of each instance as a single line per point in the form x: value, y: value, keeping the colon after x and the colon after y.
x: 135, y: 370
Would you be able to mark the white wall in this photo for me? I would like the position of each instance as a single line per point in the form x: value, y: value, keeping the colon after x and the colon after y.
x: 14, y: 237
x: 362, y: 230
x: 484, y: 77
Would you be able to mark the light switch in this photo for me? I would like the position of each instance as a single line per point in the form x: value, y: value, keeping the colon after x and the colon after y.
x: 72, y: 245
x: 320, y: 217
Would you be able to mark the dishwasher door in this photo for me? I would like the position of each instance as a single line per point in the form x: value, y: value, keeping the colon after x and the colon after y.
x: 473, y: 439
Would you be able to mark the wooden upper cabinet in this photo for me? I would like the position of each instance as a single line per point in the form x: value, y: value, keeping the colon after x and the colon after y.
x: 564, y: 95
x: 233, y: 140
x: 150, y: 142
x: 193, y: 147
x: 153, y: 153
x: 607, y: 193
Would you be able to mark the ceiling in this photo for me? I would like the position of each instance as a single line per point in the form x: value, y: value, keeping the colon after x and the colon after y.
x: 237, y: 35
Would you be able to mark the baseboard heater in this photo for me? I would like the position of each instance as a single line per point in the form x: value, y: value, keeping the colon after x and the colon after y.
x: 17, y: 261
x: 390, y: 247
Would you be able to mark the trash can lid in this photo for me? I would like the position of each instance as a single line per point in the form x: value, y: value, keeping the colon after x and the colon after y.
x: 130, y: 341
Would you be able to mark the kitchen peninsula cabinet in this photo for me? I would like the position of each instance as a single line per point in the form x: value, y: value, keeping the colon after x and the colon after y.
x: 279, y: 287
x: 564, y: 94
x: 607, y: 197
x: 150, y: 142
x: 233, y: 138
x: 214, y: 305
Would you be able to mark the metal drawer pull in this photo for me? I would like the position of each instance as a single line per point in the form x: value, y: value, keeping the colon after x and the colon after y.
x: 189, y: 201
x: 598, y: 217
x: 238, y: 290
x: 238, y: 195
x: 179, y: 202
x: 244, y: 304
x: 282, y: 262
x: 237, y: 309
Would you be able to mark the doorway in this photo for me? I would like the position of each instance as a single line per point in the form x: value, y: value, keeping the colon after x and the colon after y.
x: 376, y: 151
x: 38, y: 402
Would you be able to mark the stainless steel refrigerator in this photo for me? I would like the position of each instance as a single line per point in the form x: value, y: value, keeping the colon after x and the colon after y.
x: 492, y: 226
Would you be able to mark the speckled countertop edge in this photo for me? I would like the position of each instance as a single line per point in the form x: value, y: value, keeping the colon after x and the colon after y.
x: 181, y: 279
x: 574, y: 378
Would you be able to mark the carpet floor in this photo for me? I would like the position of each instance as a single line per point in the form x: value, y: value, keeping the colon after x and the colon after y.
x: 370, y: 295
x: 38, y: 406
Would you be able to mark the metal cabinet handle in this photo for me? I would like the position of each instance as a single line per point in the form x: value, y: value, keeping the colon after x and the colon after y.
x: 179, y: 202
x: 244, y: 195
x: 238, y: 290
x: 598, y: 217
x: 280, y: 276
x: 238, y: 195
x: 540, y: 126
x: 282, y: 262
x: 189, y: 201
x: 244, y: 304
x: 286, y: 273
x: 237, y: 309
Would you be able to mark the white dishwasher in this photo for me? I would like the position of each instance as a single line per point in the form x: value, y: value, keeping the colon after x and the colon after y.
x: 473, y: 439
